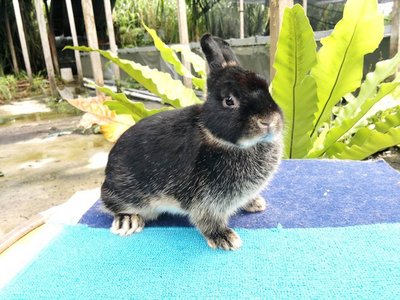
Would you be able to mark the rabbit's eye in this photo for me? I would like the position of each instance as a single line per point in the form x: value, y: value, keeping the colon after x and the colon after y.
x: 230, y: 102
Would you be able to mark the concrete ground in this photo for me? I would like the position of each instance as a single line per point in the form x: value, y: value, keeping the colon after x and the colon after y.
x: 43, y: 164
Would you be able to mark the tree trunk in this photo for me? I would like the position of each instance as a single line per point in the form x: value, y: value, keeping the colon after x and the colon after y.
x: 111, y: 38
x: 183, y: 37
x: 22, y: 39
x: 44, y: 38
x: 11, y: 44
x: 91, y: 35
x: 52, y: 42
x: 71, y: 19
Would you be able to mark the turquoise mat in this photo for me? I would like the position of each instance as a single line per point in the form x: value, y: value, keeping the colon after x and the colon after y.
x: 360, y: 262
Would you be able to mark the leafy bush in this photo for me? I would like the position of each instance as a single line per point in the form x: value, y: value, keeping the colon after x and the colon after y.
x: 308, y: 85
x: 219, y: 17
x: 16, y: 87
x: 158, y: 14
x: 8, y: 86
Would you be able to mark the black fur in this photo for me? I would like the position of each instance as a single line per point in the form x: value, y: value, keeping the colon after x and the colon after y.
x: 205, y: 160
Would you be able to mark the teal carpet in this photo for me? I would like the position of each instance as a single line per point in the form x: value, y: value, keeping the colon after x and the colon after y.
x: 357, y: 262
x: 340, y: 240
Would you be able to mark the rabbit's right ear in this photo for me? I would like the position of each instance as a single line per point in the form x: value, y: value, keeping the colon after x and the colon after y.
x: 218, y: 52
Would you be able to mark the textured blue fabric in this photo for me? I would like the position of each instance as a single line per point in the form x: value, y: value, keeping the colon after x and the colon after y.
x: 361, y: 262
x: 311, y: 193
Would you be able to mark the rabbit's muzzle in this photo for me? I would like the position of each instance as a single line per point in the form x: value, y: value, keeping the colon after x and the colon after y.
x: 263, y: 129
x: 271, y: 124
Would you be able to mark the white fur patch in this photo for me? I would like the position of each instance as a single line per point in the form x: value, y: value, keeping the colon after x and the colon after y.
x: 168, y: 204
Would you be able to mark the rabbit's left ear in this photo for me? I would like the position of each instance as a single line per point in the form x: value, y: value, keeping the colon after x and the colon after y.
x: 218, y: 53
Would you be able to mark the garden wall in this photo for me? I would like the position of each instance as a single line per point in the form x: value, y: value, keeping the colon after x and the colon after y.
x: 252, y: 52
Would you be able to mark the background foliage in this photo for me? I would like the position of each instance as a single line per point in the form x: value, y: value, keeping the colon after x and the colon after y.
x: 32, y: 37
x: 219, y: 17
x: 310, y: 86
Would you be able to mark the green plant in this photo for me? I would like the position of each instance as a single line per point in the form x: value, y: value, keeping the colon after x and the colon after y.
x: 29, y: 20
x: 17, y: 86
x: 40, y: 85
x: 219, y: 17
x: 8, y: 87
x: 158, y: 14
x: 309, y: 85
x: 222, y: 19
x: 171, y: 91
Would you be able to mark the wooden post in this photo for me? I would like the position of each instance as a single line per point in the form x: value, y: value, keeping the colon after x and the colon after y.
x: 241, y: 17
x: 277, y: 8
x: 395, y: 34
x: 111, y: 37
x: 91, y: 35
x: 11, y: 44
x: 305, y: 6
x: 44, y: 38
x: 52, y: 41
x: 71, y: 19
x: 22, y: 40
x: 184, y: 37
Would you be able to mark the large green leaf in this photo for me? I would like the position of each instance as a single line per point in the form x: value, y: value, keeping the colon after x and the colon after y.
x: 367, y: 141
x: 198, y: 64
x: 169, y: 56
x: 122, y: 105
x: 351, y: 114
x: 292, y: 87
x: 171, y: 91
x: 340, y: 59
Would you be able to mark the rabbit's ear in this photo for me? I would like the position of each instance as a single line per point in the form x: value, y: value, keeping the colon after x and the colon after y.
x: 218, y: 52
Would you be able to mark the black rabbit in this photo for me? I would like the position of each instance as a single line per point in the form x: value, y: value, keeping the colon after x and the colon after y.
x: 204, y: 161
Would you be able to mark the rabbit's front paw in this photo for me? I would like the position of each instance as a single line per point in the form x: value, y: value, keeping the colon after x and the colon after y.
x: 226, y: 240
x: 125, y: 225
x: 256, y: 205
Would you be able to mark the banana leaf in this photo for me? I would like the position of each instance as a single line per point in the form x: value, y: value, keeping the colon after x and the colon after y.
x: 293, y: 88
x: 160, y: 83
x: 112, y: 125
x: 113, y: 130
x: 340, y: 59
x: 122, y: 105
x: 170, y: 56
x: 198, y: 64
